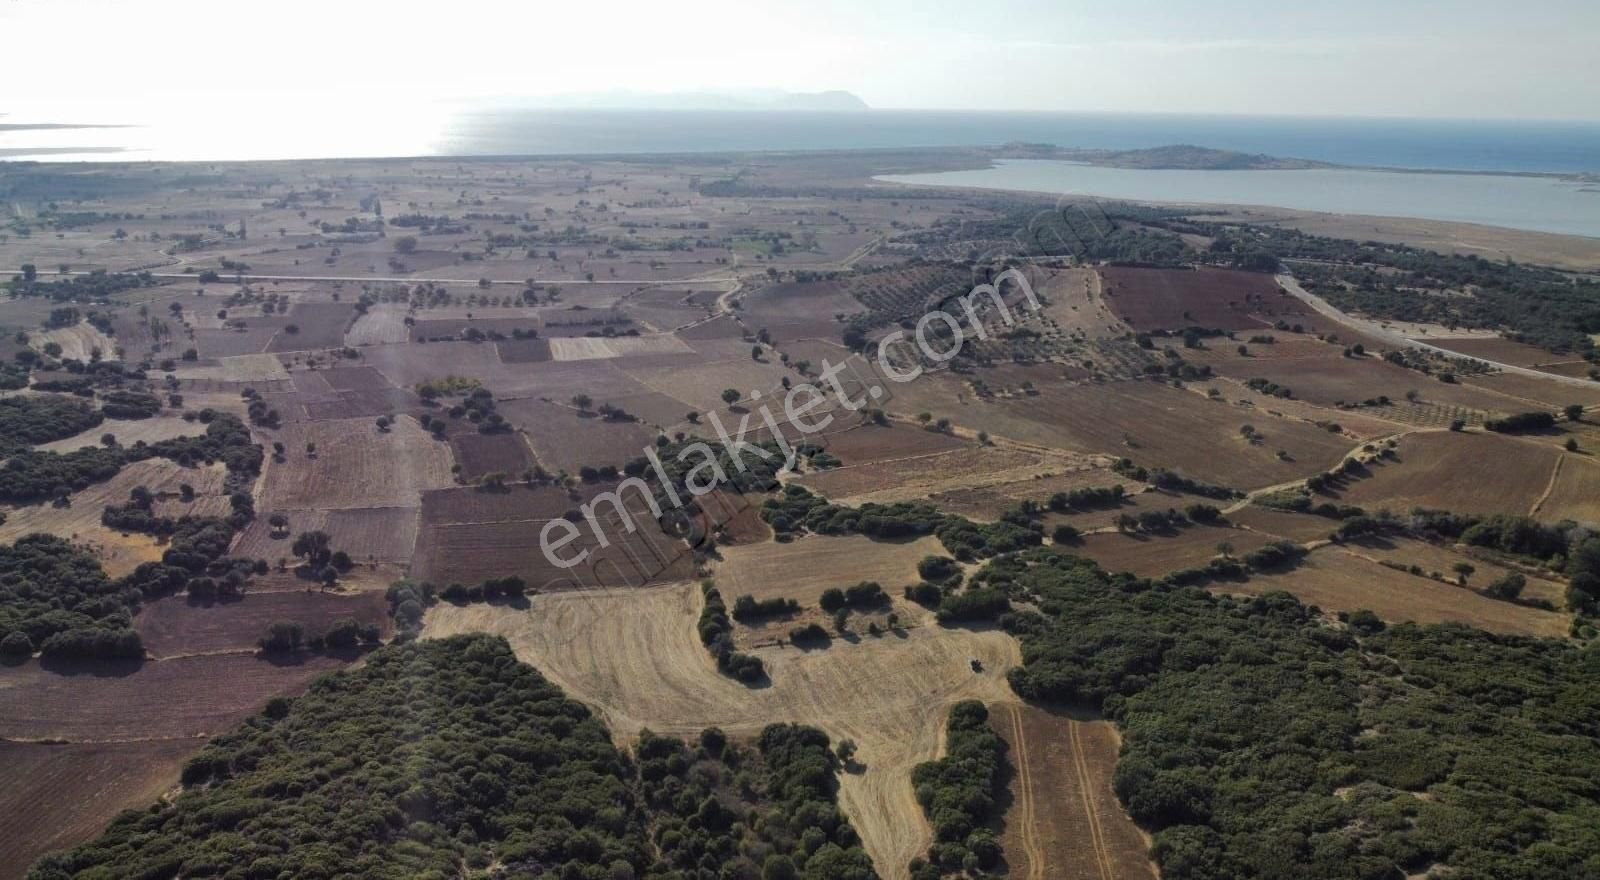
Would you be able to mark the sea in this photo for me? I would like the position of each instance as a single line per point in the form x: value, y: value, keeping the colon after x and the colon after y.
x: 1493, y: 150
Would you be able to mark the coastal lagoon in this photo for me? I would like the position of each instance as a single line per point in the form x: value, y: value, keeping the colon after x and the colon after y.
x: 1532, y: 202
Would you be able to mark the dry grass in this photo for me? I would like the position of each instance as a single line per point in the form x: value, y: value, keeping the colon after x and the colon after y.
x: 919, y: 476
x: 77, y: 342
x: 1337, y: 579
x: 240, y: 368
x: 128, y: 432
x: 1433, y: 559
x: 584, y: 348
x: 634, y: 656
x: 1445, y: 470
x: 1575, y: 491
x: 383, y: 324
x: 79, y: 522
x: 803, y: 568
x: 1160, y: 426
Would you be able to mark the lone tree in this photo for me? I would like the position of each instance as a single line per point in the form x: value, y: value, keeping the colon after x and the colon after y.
x: 1573, y: 411
x: 731, y: 396
x: 582, y: 401
x: 383, y: 423
x: 1508, y: 587
x: 315, y: 547
x: 405, y: 244
x: 1463, y: 571
x: 282, y: 637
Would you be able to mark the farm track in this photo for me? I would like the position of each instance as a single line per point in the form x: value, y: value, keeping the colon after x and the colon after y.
x: 1549, y: 488
x: 1025, y: 805
x: 1332, y: 312
x: 1102, y: 856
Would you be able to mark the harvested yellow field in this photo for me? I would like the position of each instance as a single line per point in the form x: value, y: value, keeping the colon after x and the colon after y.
x: 240, y: 368
x: 1336, y: 579
x: 634, y: 656
x: 77, y: 342
x: 128, y: 432
x: 382, y: 324
x: 79, y: 521
x: 589, y: 348
x: 803, y: 568
x: 1076, y: 301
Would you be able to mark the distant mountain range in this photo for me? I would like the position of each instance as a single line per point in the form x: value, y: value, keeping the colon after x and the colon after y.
x: 758, y: 99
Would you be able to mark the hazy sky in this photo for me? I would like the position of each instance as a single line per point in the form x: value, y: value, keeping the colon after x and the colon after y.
x: 1461, y: 58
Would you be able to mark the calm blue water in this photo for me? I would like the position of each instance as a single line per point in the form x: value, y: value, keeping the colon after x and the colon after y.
x: 1452, y: 145
x: 446, y: 130
x: 1538, y: 203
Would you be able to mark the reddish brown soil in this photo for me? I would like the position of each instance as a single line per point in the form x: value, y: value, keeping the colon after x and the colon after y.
x: 523, y: 351
x: 1172, y: 299
x: 480, y: 454
x: 192, y: 696
x: 174, y: 626
x: 61, y: 794
x: 320, y: 325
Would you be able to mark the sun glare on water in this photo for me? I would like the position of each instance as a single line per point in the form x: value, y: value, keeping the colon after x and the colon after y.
x: 308, y: 130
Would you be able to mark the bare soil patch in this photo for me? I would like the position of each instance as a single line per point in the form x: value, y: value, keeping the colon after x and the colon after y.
x: 174, y: 626
x: 61, y: 794
x: 800, y: 310
x: 368, y: 534
x: 1433, y: 559
x: 317, y: 326
x: 1172, y: 299
x: 588, y: 348
x: 480, y: 454
x: 523, y: 351
x: 1155, y: 555
x: 179, y: 697
x: 565, y: 439
x: 355, y: 465
x: 1159, y: 426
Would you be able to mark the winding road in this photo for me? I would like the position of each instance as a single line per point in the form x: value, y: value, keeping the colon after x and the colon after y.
x: 1374, y: 328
